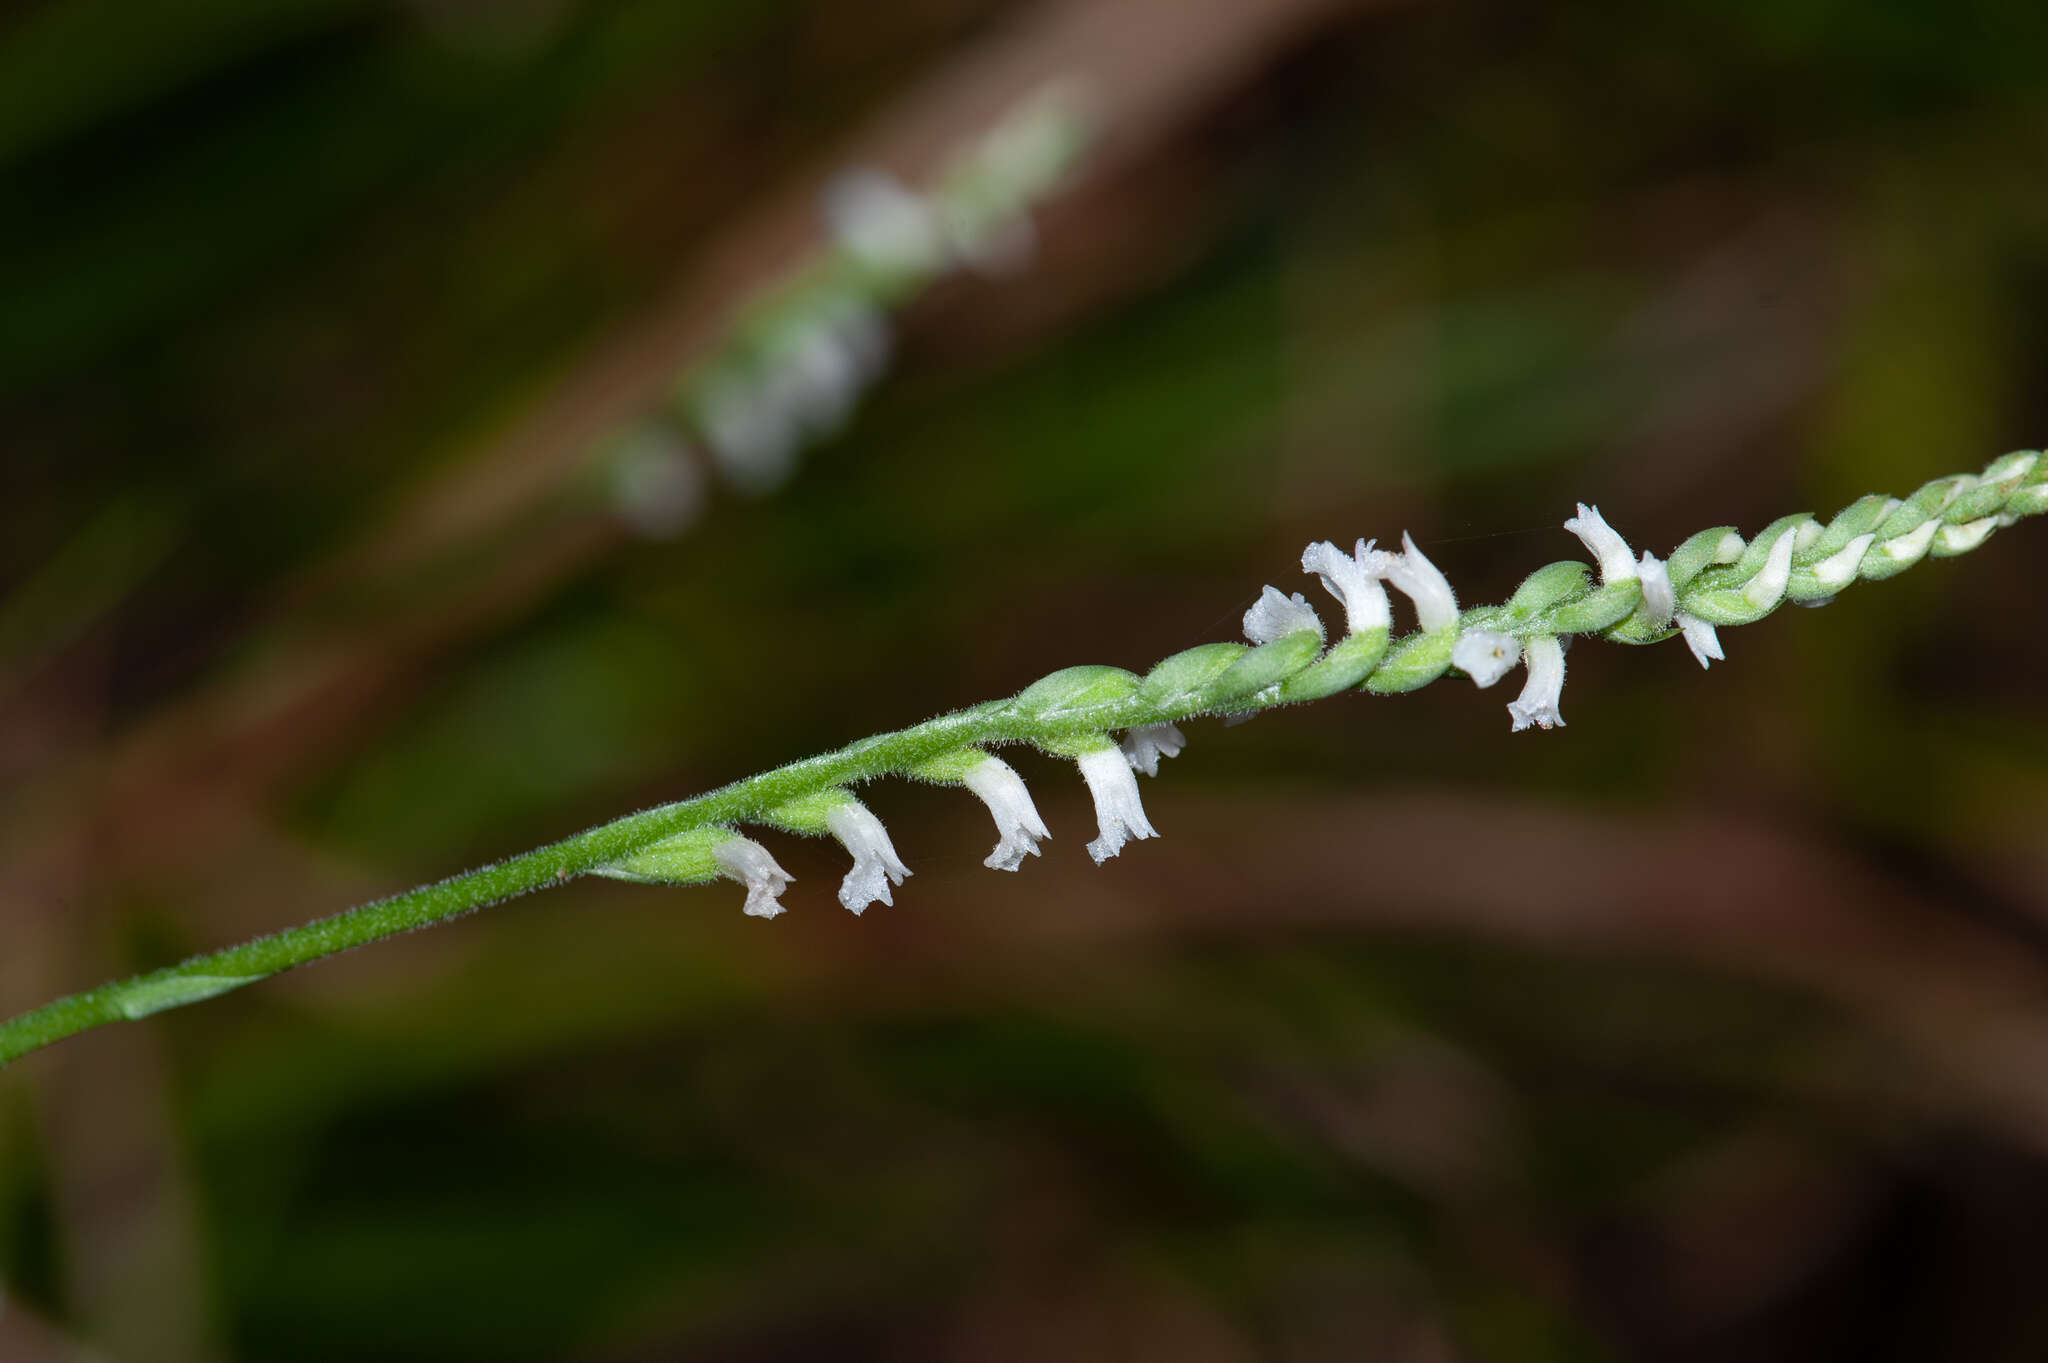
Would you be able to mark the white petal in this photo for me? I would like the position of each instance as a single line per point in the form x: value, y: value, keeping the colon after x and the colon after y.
x: 1275, y: 616
x: 1617, y: 563
x: 875, y: 863
x: 1767, y: 588
x: 1909, y: 547
x: 1436, y: 605
x: 748, y: 862
x: 1538, y: 702
x: 1658, y: 598
x: 1486, y: 655
x: 1840, y: 566
x: 1960, y: 539
x: 1701, y: 638
x: 1119, y: 814
x: 1354, y: 579
x: 1018, y: 826
x: 1146, y: 744
x: 1730, y: 548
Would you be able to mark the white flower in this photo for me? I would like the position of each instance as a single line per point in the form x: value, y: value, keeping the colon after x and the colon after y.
x: 882, y: 224
x: 1538, y: 702
x: 1017, y: 823
x: 875, y: 863
x: 1767, y: 588
x: 1118, y: 813
x: 1436, y: 605
x: 748, y: 862
x: 1617, y: 563
x: 1658, y: 598
x: 1146, y: 744
x: 1354, y: 579
x: 1274, y: 616
x: 1486, y: 655
x: 1701, y: 638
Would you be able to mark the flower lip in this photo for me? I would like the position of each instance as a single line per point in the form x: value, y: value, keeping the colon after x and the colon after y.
x: 875, y: 863
x: 742, y: 859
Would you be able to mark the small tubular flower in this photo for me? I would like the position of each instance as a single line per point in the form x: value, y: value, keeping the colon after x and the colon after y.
x: 1354, y: 579
x: 1018, y: 826
x: 1485, y: 655
x: 1538, y: 702
x: 1659, y: 600
x: 875, y: 863
x: 1436, y: 605
x: 1146, y: 744
x: 1276, y: 615
x: 749, y: 863
x: 1617, y: 561
x: 1701, y: 638
x: 1119, y: 815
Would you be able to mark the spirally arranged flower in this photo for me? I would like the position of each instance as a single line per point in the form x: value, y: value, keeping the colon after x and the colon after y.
x: 749, y: 863
x: 1018, y: 827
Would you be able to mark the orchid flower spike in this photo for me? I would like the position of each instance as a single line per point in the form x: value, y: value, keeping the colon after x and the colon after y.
x: 1018, y: 826
x: 1486, y: 655
x: 1275, y: 616
x: 1119, y: 814
x: 875, y: 863
x: 749, y: 863
x: 1538, y: 702
x: 1354, y: 579
x: 1617, y: 562
x: 1146, y: 744
x: 1436, y: 605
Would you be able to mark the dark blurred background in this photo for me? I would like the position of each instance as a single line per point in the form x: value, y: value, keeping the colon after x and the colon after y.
x: 1713, y: 1026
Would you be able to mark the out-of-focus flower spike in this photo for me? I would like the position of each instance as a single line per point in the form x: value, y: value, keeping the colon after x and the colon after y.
x: 1276, y: 615
x: 1018, y: 826
x: 1436, y: 605
x: 749, y: 863
x: 1146, y: 744
x: 1354, y: 579
x: 1537, y: 704
x: 875, y: 863
x: 1617, y: 561
x: 1119, y: 814
x: 1486, y: 655
x: 1701, y: 638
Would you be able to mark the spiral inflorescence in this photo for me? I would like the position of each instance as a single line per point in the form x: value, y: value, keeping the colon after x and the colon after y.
x: 1713, y: 580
